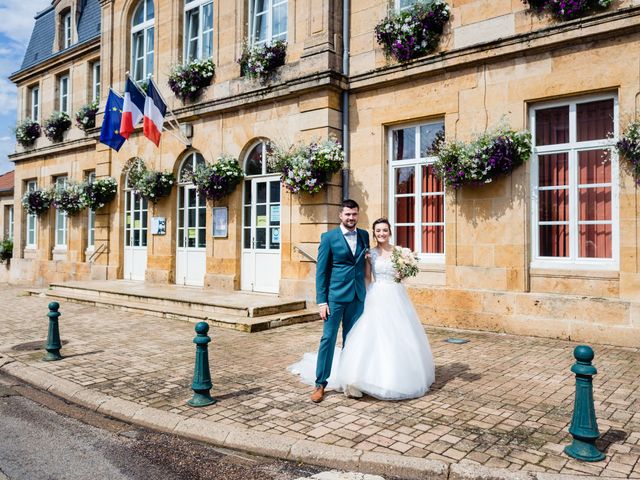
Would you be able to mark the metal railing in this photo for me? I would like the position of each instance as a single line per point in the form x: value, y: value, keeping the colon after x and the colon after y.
x: 97, y: 252
x: 305, y: 254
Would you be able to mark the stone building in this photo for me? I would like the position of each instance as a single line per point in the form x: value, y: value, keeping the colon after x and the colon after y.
x: 551, y: 249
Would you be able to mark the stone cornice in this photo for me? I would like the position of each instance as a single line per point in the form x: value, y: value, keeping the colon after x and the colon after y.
x: 53, y: 149
x: 609, y: 24
x: 56, y: 60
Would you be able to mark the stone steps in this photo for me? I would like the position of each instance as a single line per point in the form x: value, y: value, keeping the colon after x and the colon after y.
x: 259, y: 312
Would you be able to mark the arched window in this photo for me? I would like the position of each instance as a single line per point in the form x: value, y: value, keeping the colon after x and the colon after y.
x: 189, y: 164
x: 198, y: 29
x: 256, y: 161
x: 142, y: 40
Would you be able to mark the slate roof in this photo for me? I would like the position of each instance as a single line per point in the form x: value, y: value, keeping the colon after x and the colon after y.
x: 41, y: 43
x: 6, y: 182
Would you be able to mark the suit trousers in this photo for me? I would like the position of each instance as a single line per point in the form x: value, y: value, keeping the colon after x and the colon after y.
x: 348, y: 313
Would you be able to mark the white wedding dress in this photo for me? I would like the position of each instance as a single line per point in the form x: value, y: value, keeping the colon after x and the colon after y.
x: 386, y: 354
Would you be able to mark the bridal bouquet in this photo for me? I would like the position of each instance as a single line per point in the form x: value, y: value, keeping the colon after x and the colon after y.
x: 405, y: 263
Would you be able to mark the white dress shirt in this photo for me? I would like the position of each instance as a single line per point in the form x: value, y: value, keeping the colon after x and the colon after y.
x: 351, y: 236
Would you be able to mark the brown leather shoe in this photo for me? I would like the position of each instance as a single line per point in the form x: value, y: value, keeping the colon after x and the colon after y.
x: 317, y: 395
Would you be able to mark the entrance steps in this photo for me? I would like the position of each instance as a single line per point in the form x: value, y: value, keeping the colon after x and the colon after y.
x: 247, y: 312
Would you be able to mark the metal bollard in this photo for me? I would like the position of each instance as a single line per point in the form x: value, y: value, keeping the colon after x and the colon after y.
x: 53, y: 345
x: 201, y: 384
x: 584, y: 427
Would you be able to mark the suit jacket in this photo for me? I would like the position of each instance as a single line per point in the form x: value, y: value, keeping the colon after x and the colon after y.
x: 339, y: 273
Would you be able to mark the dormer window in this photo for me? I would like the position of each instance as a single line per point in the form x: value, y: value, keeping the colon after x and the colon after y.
x: 66, y: 29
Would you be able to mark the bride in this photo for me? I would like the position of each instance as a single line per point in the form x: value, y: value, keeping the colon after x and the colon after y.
x: 386, y: 354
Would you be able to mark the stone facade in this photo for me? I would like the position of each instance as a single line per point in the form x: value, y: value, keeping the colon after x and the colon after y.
x: 496, y: 62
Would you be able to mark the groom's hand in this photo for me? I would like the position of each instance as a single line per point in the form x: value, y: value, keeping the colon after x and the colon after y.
x: 324, y: 311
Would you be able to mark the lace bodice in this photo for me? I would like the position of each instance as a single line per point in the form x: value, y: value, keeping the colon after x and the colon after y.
x: 382, y: 268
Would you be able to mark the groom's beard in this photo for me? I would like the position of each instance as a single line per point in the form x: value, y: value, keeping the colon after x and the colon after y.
x: 350, y: 224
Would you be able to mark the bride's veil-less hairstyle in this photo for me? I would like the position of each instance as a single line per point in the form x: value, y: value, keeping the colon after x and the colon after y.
x: 380, y: 221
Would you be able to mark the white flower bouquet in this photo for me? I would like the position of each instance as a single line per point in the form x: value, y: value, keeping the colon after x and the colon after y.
x: 405, y: 263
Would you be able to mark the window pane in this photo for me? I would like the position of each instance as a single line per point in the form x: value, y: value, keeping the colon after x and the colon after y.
x: 594, y: 166
x: 594, y: 120
x: 262, y: 193
x: 274, y: 239
x: 428, y: 135
x: 260, y: 28
x: 247, y: 238
x: 595, y: 203
x: 202, y: 238
x: 207, y: 30
x: 247, y: 192
x: 405, y: 237
x: 138, y: 15
x: 405, y: 209
x: 149, y: 9
x: 554, y: 240
x: 433, y: 208
x: 433, y: 239
x: 552, y: 126
x: 202, y: 217
x: 554, y: 205
x: 553, y: 170
x: 247, y: 216
x: 274, y: 191
x: 253, y: 165
x: 405, y: 180
x: 404, y: 144
x: 259, y: 6
x: 595, y: 241
x: 279, y: 20
x: 149, y: 60
x: 261, y: 238
x: 430, y: 181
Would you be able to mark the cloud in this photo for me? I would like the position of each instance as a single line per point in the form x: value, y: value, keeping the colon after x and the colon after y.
x: 17, y: 18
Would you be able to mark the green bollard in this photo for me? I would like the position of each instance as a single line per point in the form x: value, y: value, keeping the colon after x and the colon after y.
x: 53, y: 345
x: 584, y: 427
x: 201, y: 384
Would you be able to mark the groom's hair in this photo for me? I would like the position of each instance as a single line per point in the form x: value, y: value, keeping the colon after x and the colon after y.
x: 348, y: 203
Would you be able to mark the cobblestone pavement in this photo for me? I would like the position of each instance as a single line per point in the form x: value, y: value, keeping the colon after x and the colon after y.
x: 500, y: 400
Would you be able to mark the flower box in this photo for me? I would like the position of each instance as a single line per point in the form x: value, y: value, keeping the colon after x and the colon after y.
x: 188, y: 81
x: 36, y: 202
x: 217, y: 180
x: 629, y: 147
x: 567, y: 9
x: 56, y: 125
x: 86, y: 116
x: 100, y: 192
x: 27, y: 132
x: 69, y: 198
x: 261, y: 61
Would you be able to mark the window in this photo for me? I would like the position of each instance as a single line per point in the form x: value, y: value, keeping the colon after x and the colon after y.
x: 95, y: 82
x: 142, y: 40
x: 66, y: 30
x: 416, y: 194
x: 268, y: 21
x: 63, y: 90
x: 35, y: 104
x: 198, y: 29
x: 32, y: 220
x: 402, y: 5
x: 91, y: 223
x: 61, y: 219
x: 574, y: 201
x: 256, y: 162
x: 9, y: 222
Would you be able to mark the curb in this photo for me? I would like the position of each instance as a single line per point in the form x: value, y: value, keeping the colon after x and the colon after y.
x: 269, y: 444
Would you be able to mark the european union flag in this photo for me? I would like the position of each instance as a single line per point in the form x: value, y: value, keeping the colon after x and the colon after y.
x: 110, y: 131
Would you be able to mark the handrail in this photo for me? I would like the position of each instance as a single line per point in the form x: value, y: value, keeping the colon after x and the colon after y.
x: 305, y: 254
x: 97, y: 252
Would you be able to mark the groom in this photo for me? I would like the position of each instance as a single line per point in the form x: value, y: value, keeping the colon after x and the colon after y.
x: 340, y: 287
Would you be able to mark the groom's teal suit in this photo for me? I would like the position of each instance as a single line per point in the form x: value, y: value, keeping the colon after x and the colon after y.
x: 340, y: 284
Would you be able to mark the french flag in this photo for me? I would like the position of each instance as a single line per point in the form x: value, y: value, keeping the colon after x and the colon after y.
x: 132, y: 108
x: 154, y: 112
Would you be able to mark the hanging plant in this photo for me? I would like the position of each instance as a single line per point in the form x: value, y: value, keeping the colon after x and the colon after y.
x: 27, y: 132
x: 629, y: 147
x: 188, y: 81
x: 413, y: 32
x: 100, y: 192
x: 154, y: 185
x: 6, y: 250
x: 567, y: 9
x: 56, y: 125
x: 86, y: 116
x: 69, y: 198
x: 37, y: 201
x: 217, y: 180
x: 491, y: 155
x: 261, y: 61
x: 307, y: 168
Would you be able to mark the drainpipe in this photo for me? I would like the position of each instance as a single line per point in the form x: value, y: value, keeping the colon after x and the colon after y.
x: 346, y: 33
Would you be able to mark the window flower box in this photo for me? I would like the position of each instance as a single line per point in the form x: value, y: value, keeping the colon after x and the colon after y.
x: 567, y: 9
x: 86, y: 116
x: 628, y: 147
x: 100, y: 192
x: 188, y: 81
x: 261, y: 61
x: 69, y: 198
x: 56, y: 125
x: 36, y: 202
x: 27, y: 132
x: 217, y: 180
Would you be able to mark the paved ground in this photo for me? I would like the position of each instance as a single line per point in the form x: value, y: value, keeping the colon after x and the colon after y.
x: 500, y: 400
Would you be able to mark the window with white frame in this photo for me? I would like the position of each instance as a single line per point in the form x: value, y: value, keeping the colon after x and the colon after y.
x: 401, y: 5
x: 91, y: 220
x: 198, y: 29
x: 268, y: 21
x: 61, y: 218
x: 416, y: 194
x: 95, y: 81
x: 63, y: 91
x: 35, y: 103
x: 574, y: 188
x: 32, y: 220
x: 142, y: 40
x: 9, y: 222
x: 66, y: 30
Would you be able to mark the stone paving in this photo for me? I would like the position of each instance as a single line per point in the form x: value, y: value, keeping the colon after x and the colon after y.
x: 500, y: 400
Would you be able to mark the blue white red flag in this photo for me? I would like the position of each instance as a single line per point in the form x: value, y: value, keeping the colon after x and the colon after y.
x: 154, y: 111
x: 132, y: 109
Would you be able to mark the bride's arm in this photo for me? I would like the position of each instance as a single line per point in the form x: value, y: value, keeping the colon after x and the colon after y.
x: 368, y: 275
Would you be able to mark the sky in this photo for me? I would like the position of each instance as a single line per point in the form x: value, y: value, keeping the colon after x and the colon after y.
x: 15, y: 30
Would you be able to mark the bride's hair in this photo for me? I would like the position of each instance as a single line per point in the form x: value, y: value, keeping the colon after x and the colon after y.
x: 379, y: 221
